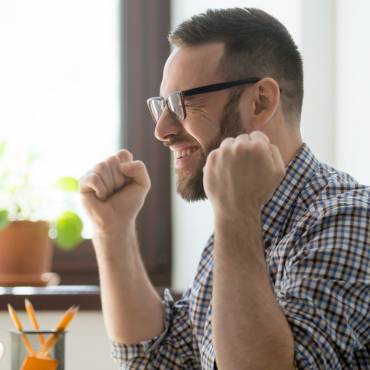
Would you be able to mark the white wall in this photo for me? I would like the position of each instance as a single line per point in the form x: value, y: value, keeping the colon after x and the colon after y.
x: 87, y: 346
x: 317, y: 24
x: 353, y: 94
x: 311, y: 25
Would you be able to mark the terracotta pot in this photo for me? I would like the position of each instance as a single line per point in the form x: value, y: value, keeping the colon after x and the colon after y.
x: 25, y: 253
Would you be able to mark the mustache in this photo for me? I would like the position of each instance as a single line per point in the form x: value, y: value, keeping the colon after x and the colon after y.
x: 172, y: 141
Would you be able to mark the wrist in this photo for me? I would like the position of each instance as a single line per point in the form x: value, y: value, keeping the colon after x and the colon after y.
x: 114, y: 243
x: 239, y: 237
x: 248, y: 216
x: 114, y: 233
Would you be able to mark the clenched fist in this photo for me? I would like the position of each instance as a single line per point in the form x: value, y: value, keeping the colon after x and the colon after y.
x: 242, y: 174
x: 114, y: 191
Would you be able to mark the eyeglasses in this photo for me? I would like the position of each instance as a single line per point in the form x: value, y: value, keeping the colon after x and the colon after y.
x: 175, y: 102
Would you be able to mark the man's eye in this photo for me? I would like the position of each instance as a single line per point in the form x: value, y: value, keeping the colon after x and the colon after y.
x: 192, y: 106
x: 193, y: 109
x: 190, y: 109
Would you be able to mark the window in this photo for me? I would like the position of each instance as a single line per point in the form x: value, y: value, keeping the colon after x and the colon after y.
x: 75, y: 76
x: 59, y: 75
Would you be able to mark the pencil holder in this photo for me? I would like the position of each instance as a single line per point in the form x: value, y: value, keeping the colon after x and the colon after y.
x: 22, y: 360
x: 36, y: 363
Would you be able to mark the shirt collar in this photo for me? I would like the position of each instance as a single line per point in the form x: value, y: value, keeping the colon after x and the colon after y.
x: 276, y: 212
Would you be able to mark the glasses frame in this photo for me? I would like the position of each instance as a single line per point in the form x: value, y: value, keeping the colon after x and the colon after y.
x: 181, y: 95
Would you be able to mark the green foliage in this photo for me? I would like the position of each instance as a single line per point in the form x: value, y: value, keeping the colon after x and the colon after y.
x: 67, y: 184
x: 68, y: 229
x: 22, y: 198
x: 4, y: 219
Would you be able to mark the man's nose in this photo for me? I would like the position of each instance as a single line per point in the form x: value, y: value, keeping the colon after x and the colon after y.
x: 167, y: 126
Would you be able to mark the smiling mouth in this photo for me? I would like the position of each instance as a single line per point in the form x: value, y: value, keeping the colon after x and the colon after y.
x: 185, y: 153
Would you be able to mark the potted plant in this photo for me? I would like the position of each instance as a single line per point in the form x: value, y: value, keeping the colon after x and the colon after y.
x: 31, y: 215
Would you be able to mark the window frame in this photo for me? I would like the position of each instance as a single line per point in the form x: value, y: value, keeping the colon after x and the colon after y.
x: 144, y: 28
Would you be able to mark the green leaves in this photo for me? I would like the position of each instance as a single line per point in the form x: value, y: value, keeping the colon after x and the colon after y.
x: 67, y: 184
x: 23, y: 197
x: 4, y: 220
x: 68, y: 229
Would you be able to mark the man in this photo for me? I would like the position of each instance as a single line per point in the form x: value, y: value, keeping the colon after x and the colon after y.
x: 284, y: 280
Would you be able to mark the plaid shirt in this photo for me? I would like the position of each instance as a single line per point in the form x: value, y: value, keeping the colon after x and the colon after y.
x: 316, y: 232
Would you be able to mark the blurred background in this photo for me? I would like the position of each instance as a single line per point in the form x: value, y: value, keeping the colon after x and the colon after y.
x: 74, y: 76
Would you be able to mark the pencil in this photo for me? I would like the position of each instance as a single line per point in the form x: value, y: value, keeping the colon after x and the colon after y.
x: 61, y: 326
x: 52, y: 342
x: 32, y: 315
x: 18, y: 325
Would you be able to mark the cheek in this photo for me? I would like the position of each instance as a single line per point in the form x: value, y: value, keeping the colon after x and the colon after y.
x: 203, y: 132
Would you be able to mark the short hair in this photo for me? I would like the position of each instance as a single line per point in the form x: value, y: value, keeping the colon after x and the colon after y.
x: 256, y: 45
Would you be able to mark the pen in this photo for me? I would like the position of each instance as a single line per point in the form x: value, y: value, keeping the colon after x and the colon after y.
x: 18, y: 325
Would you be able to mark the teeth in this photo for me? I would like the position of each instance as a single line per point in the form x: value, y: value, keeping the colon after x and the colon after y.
x: 184, y: 153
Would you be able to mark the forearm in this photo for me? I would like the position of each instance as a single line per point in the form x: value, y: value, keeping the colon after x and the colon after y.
x: 131, y: 307
x: 250, y: 330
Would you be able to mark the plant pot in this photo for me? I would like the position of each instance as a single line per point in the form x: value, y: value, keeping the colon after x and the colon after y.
x: 25, y: 253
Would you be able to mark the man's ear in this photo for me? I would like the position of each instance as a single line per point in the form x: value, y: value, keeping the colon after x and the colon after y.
x: 265, y: 101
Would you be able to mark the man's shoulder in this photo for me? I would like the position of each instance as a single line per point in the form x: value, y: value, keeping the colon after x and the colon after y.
x: 333, y: 226
x: 330, y: 192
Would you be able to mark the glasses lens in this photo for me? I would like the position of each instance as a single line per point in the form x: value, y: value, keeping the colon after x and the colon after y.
x: 176, y: 106
x: 155, y: 106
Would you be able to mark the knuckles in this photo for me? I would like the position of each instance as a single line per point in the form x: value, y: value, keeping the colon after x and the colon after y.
x: 244, y: 145
x: 260, y: 146
x: 94, y: 179
x: 140, y: 164
x: 226, y: 142
x: 256, y: 141
x: 241, y: 147
x: 124, y: 155
x: 112, y: 161
x: 259, y: 135
x: 100, y: 167
x: 212, y: 156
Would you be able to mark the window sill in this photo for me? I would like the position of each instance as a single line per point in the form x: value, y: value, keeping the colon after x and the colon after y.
x: 52, y: 298
x: 56, y: 298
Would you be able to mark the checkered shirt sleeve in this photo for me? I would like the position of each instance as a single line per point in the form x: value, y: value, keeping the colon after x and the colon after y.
x: 325, y: 292
x: 173, y: 349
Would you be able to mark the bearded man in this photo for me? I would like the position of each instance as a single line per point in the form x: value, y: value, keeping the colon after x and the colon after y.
x: 284, y: 279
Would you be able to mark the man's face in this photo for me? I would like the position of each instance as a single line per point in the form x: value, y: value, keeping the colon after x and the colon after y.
x: 209, y: 117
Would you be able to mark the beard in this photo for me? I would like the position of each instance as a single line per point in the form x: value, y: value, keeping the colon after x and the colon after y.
x: 190, y: 186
